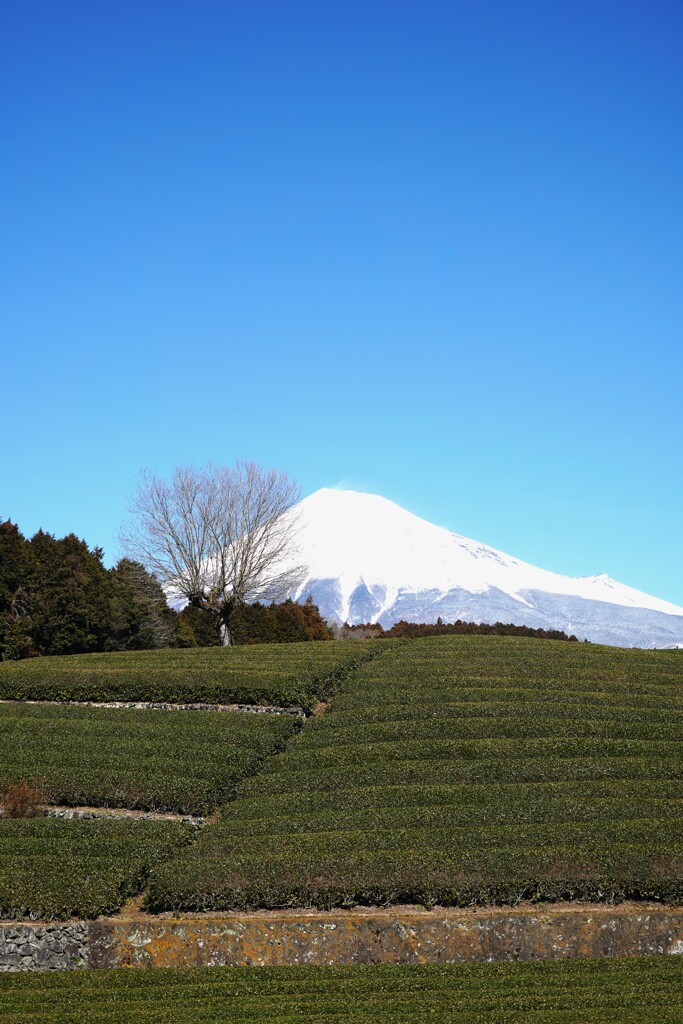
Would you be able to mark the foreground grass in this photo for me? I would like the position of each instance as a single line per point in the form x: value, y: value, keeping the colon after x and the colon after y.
x: 51, y: 869
x: 458, y: 771
x: 636, y: 991
x: 278, y: 674
x: 187, y: 762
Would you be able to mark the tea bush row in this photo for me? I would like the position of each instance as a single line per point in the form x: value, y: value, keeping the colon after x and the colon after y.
x: 327, y: 875
x: 647, y: 990
x: 634, y: 991
x: 51, y: 868
x: 183, y: 761
x: 457, y: 770
x: 460, y: 806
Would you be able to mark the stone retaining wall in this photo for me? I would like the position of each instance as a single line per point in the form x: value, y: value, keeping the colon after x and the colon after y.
x: 403, y: 935
x: 153, y: 705
x: 91, y: 813
x: 50, y: 947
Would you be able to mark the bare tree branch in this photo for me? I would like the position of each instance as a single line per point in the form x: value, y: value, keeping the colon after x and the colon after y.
x: 219, y: 536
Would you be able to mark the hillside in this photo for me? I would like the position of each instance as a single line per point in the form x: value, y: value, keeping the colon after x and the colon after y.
x: 449, y: 770
x: 456, y: 771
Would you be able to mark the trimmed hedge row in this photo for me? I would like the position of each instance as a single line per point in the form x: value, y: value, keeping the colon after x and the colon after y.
x: 284, y: 675
x: 317, y: 875
x: 506, y: 722
x: 648, y: 990
x: 337, y: 758
x: 408, y: 790
x: 52, y: 869
x: 455, y: 770
x: 497, y: 802
x: 187, y: 762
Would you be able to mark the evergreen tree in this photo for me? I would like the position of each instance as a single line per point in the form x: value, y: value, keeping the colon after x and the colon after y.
x: 286, y: 622
x: 316, y: 627
x: 140, y: 617
x: 17, y: 567
x: 196, y: 627
x: 70, y: 604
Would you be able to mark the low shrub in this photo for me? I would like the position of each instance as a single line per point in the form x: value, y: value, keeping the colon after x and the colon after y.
x: 22, y: 800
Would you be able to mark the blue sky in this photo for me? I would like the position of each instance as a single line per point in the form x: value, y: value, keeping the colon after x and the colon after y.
x: 431, y: 250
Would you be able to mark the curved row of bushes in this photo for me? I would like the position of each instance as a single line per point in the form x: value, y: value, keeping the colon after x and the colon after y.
x: 564, y: 782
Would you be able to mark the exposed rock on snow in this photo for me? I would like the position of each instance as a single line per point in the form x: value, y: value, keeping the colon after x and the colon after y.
x: 371, y: 561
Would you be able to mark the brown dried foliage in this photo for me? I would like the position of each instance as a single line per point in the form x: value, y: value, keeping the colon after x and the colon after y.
x: 22, y: 800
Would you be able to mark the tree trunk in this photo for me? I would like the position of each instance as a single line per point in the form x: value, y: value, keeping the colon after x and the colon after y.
x: 224, y: 616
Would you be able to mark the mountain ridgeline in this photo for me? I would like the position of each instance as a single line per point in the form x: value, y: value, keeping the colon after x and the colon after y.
x: 370, y: 561
x: 369, y: 564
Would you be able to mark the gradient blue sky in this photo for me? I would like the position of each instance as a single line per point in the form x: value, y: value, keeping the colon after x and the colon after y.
x: 431, y: 250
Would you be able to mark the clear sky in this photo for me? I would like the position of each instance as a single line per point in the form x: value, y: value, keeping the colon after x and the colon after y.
x: 428, y: 249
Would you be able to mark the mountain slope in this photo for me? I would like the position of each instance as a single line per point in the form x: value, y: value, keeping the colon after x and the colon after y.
x: 370, y: 560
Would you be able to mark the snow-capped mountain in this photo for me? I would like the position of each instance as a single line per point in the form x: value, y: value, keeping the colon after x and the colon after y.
x: 368, y: 560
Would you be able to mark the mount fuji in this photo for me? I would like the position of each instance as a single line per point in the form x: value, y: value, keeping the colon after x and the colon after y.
x: 368, y: 560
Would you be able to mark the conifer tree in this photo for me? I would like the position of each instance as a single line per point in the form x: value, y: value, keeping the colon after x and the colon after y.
x: 17, y: 567
x: 140, y: 616
x: 70, y: 605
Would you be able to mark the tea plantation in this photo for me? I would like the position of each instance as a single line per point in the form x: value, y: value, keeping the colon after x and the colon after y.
x: 184, y: 761
x: 454, y: 771
x: 278, y: 674
x: 636, y: 991
x: 457, y: 771
x: 51, y: 868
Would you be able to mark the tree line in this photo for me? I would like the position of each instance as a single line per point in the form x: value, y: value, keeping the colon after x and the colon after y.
x: 412, y: 630
x: 57, y: 597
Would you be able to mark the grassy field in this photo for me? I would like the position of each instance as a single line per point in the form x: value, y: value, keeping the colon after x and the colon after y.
x: 184, y: 761
x: 278, y: 674
x: 51, y: 868
x: 644, y: 991
x: 458, y: 771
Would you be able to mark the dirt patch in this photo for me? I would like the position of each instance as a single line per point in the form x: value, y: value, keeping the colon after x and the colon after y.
x: 320, y: 708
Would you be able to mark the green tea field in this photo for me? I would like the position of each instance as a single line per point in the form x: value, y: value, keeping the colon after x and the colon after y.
x: 51, y: 868
x: 185, y: 761
x: 444, y: 771
x: 635, y: 991
x: 279, y: 674
x: 457, y: 771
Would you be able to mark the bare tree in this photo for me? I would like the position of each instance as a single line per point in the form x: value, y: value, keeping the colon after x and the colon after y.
x: 218, y: 536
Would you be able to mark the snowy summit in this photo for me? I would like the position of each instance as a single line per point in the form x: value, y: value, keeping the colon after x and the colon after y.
x: 368, y: 560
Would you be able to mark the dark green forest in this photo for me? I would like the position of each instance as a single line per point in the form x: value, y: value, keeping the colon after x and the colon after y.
x: 57, y: 597
x: 413, y: 630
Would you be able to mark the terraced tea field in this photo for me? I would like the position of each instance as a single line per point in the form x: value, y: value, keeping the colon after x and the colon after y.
x: 456, y: 771
x: 636, y: 991
x: 51, y: 868
x: 278, y: 674
x: 183, y: 761
x: 187, y: 762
